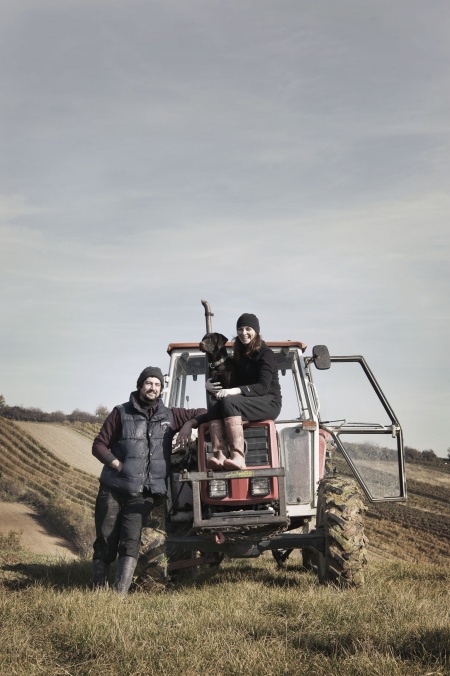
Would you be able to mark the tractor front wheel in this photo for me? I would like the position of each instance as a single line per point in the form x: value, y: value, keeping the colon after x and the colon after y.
x: 340, y: 515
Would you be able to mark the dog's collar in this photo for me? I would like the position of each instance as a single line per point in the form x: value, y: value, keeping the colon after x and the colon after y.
x: 213, y: 364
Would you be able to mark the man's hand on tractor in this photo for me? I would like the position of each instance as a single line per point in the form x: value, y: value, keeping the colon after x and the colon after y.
x: 185, y: 434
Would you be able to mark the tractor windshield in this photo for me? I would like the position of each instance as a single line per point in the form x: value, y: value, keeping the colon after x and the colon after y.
x: 187, y: 381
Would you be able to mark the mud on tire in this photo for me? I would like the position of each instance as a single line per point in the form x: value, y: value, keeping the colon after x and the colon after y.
x: 340, y: 514
x: 151, y: 569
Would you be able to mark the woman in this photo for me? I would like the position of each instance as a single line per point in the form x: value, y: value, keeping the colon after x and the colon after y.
x: 258, y: 396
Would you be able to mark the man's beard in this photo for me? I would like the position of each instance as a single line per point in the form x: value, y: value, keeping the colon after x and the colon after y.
x: 147, y: 403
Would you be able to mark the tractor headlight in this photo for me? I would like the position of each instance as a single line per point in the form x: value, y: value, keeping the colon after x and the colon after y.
x: 260, y: 486
x: 218, y: 488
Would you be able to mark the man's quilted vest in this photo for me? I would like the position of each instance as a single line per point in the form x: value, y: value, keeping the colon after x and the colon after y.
x: 144, y: 448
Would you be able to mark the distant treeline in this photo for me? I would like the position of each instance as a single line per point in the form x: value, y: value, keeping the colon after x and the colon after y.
x: 360, y: 450
x: 412, y: 455
x: 374, y: 452
x: 36, y: 415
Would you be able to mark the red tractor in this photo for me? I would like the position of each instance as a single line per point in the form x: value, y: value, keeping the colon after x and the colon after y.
x: 294, y: 493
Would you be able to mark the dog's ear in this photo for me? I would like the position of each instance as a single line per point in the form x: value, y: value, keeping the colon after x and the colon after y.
x: 221, y: 340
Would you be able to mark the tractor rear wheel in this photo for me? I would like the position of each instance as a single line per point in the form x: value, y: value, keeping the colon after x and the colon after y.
x: 340, y: 515
x: 151, y: 569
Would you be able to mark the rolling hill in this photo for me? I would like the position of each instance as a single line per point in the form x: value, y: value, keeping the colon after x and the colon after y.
x: 61, y: 493
x: 55, y: 464
x: 70, y: 444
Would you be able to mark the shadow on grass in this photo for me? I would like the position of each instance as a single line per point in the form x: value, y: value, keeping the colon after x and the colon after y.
x: 422, y: 645
x: 60, y: 575
x: 77, y: 574
x: 267, y: 574
x: 430, y: 648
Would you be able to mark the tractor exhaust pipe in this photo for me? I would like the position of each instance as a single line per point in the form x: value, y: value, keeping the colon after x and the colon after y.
x: 208, y: 315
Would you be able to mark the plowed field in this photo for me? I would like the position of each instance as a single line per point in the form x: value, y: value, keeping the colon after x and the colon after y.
x: 65, y: 443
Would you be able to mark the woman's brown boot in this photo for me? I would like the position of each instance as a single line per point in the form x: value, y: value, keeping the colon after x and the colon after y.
x: 236, y: 444
x: 219, y: 445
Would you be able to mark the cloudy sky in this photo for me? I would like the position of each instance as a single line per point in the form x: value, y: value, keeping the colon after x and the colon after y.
x: 290, y: 159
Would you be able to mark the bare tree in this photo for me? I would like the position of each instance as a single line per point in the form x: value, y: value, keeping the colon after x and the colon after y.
x: 101, y: 413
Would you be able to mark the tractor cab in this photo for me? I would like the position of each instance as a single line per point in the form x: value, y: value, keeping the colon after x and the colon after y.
x: 301, y: 439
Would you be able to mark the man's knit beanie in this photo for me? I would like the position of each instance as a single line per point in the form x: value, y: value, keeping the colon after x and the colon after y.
x: 150, y: 372
x: 248, y: 320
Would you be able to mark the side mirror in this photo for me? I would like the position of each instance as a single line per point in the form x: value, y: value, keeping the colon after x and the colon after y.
x: 321, y: 357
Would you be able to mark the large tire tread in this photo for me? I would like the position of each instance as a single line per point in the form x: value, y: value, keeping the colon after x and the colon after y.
x: 151, y: 569
x: 340, y: 513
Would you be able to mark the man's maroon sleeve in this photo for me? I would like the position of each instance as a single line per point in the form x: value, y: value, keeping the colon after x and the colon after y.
x: 182, y: 415
x: 108, y: 435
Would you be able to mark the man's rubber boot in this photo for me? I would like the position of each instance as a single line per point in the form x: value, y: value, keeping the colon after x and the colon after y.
x: 100, y: 571
x: 125, y: 571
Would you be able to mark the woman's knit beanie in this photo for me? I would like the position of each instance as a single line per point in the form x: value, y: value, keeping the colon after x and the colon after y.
x: 248, y: 320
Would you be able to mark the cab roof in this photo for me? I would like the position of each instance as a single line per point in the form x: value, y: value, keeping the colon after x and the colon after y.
x: 194, y: 346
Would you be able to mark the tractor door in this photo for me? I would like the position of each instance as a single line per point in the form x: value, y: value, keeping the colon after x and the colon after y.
x: 353, y: 408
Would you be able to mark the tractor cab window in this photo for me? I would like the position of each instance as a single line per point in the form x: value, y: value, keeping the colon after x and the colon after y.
x: 290, y: 383
x: 187, y: 387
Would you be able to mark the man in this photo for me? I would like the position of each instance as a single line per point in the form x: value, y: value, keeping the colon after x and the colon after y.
x: 135, y: 445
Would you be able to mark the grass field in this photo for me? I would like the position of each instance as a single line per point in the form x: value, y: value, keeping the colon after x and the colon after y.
x: 251, y: 618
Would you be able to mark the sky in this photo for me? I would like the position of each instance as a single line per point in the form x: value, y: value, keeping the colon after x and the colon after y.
x: 289, y: 159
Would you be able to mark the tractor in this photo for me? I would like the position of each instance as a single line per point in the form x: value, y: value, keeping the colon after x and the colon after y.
x: 306, y: 473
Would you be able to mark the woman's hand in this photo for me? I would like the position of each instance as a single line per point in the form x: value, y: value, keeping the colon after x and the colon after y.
x: 212, y: 387
x: 226, y: 393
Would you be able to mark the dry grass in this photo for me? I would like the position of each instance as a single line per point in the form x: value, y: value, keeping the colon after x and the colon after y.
x: 10, y: 540
x: 252, y: 619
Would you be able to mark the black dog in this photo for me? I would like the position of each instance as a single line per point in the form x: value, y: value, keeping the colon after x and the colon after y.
x: 221, y: 367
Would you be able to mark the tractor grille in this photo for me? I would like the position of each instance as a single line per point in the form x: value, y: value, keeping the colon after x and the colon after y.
x: 257, y: 446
